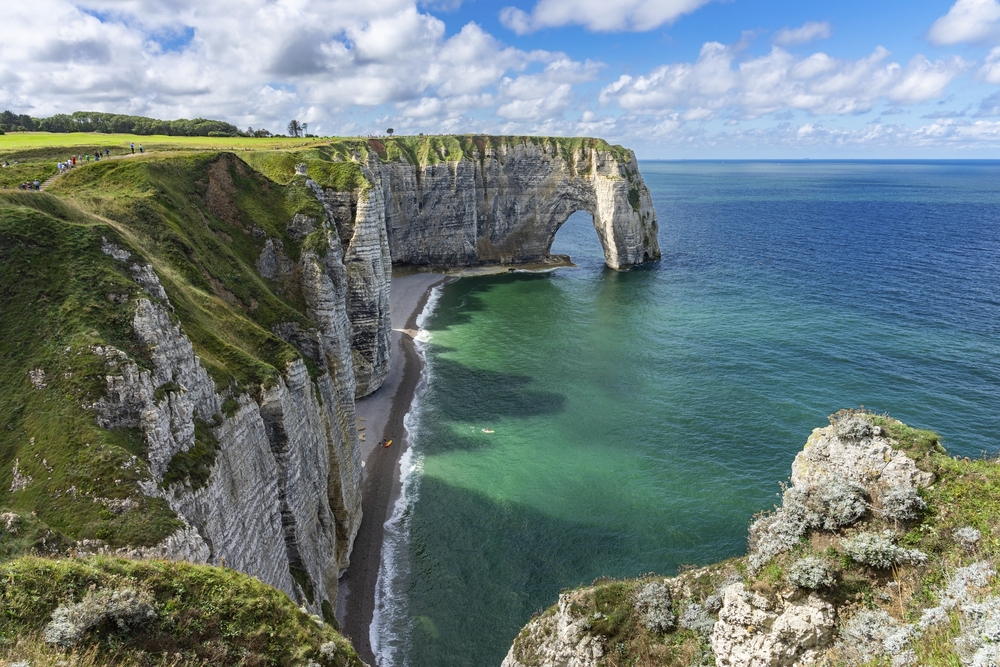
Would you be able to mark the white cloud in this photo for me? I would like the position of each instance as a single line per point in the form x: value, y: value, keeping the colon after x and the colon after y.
x: 817, y: 84
x: 990, y: 71
x: 535, y: 97
x: 598, y: 15
x: 808, y: 32
x: 259, y: 62
x: 967, y: 21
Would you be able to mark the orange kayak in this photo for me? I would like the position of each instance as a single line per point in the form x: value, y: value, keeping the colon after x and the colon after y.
x: 387, y: 443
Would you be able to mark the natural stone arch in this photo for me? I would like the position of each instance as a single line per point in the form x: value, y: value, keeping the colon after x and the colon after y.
x: 505, y: 207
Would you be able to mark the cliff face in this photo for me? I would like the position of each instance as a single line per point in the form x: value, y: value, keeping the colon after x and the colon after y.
x: 504, y: 203
x: 454, y: 202
x: 280, y: 497
x: 185, y: 340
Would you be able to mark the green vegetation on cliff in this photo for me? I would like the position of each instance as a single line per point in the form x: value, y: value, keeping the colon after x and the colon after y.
x: 202, y: 221
x: 61, y: 295
x: 166, y: 613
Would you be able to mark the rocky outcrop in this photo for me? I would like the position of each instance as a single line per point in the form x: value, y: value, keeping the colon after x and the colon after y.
x: 866, y: 458
x: 754, y: 631
x: 792, y: 600
x: 560, y: 639
x: 505, y: 204
x: 358, y: 219
x: 281, y: 499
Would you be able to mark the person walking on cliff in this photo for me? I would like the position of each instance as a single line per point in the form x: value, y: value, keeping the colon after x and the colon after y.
x: 132, y: 146
x: 141, y: 149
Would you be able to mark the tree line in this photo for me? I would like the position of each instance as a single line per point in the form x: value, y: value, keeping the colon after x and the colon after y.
x: 112, y: 123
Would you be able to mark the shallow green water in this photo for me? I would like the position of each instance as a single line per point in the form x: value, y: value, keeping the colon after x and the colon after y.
x: 640, y: 419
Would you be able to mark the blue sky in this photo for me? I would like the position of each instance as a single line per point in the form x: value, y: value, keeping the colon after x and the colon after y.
x: 670, y: 78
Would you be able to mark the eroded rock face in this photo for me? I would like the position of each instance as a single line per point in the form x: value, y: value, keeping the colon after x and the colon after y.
x: 753, y: 631
x: 283, y: 493
x: 506, y: 206
x: 357, y: 221
x: 868, y: 461
x: 559, y: 640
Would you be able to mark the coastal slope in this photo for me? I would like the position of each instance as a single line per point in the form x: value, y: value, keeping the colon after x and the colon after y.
x: 185, y: 335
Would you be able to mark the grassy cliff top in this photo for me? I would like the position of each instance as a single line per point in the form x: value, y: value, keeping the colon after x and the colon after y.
x: 146, y: 613
x: 331, y: 161
x: 201, y: 220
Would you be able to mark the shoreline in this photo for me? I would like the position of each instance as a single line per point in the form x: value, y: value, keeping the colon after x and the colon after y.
x: 380, y: 416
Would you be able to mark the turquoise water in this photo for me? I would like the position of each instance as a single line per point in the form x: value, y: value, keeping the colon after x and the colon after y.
x: 640, y: 419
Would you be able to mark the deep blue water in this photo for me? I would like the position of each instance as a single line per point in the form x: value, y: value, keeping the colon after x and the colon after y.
x: 640, y: 419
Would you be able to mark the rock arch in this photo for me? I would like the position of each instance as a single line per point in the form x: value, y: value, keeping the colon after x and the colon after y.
x: 506, y: 204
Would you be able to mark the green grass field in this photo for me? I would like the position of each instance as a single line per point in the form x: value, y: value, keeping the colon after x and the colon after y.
x: 19, y: 141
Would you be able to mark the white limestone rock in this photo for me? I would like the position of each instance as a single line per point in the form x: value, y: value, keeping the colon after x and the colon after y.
x: 559, y: 640
x: 284, y: 490
x: 506, y: 204
x: 869, y: 461
x: 753, y: 631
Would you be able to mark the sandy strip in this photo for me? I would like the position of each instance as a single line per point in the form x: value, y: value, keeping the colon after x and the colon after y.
x: 381, y: 415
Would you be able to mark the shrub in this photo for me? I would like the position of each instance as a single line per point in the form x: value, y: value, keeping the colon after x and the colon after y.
x: 839, y: 503
x: 864, y: 634
x: 901, y: 503
x: 968, y: 537
x: 879, y: 550
x: 695, y: 617
x: 852, y: 425
x: 126, y: 607
x: 652, y: 601
x: 811, y: 572
x: 957, y: 592
x: 832, y: 504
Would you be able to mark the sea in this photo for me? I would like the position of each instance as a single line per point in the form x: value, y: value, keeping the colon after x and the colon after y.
x: 586, y: 423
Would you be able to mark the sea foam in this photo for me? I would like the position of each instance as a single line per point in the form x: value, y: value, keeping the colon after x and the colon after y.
x: 389, y: 631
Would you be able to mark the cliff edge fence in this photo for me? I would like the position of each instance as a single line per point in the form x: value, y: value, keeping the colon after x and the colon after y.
x: 184, y: 334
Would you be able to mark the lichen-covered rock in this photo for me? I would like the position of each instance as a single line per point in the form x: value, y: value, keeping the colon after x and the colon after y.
x: 753, y: 631
x: 867, y: 460
x: 557, y: 640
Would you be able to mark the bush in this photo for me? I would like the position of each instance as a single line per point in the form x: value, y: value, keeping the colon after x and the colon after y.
x: 880, y: 551
x: 968, y: 537
x: 901, y: 503
x: 652, y: 601
x: 126, y: 607
x: 811, y: 572
x: 695, y: 617
x: 832, y: 504
x: 853, y: 426
x: 864, y: 635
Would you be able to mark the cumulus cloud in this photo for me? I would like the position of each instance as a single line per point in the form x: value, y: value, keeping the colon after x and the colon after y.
x: 809, y: 31
x: 598, y: 15
x: 817, y: 84
x: 260, y: 62
x: 967, y: 21
x: 990, y: 70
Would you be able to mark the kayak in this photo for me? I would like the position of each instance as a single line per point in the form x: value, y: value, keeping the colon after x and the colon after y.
x: 387, y: 443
